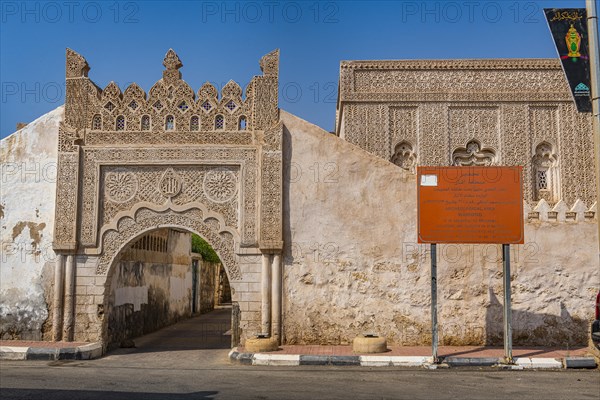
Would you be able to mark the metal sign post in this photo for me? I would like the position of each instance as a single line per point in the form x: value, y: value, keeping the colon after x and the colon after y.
x: 470, y: 205
x: 434, y: 323
x: 507, y: 305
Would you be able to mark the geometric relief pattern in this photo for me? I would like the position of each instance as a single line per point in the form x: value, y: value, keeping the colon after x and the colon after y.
x: 433, y: 135
x: 403, y: 125
x: 473, y: 154
x: 219, y: 196
x: 466, y: 123
x: 128, y: 229
x: 543, y: 121
x: 545, y: 178
x: 271, y: 228
x: 220, y: 186
x: 576, y: 152
x: 66, y: 199
x: 120, y: 186
x: 472, y: 112
x: 171, y: 147
x: 444, y: 80
x: 367, y: 128
x: 196, y: 163
x: 404, y: 156
x: 514, y: 143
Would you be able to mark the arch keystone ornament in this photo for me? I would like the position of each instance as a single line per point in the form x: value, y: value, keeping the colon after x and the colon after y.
x: 123, y: 171
x: 170, y: 183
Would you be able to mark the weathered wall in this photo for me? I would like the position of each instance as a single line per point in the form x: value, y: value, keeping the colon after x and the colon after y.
x: 152, y: 286
x: 206, y: 285
x: 28, y: 175
x: 352, y: 265
x: 351, y: 262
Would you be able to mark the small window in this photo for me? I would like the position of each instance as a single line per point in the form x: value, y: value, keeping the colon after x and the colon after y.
x: 133, y: 105
x: 145, y: 123
x: 120, y: 124
x: 207, y: 106
x: 242, y: 123
x: 231, y: 106
x: 194, y: 123
x: 542, y: 179
x: 219, y: 122
x: 97, y: 122
x: 183, y: 106
x: 169, y: 123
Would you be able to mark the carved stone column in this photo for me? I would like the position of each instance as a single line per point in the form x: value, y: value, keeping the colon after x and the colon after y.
x: 266, y: 294
x: 69, y: 314
x: 57, y: 307
x: 276, y: 297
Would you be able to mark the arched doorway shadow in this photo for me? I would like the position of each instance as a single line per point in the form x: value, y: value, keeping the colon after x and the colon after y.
x: 140, y: 282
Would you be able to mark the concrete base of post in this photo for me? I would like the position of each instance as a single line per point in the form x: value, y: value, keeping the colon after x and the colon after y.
x: 369, y: 344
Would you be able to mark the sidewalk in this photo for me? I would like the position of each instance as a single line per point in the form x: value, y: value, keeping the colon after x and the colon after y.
x: 39, y: 350
x: 417, y: 356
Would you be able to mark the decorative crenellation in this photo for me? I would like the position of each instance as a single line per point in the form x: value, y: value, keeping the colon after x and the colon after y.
x: 103, y: 116
x: 464, y: 112
x: 560, y: 212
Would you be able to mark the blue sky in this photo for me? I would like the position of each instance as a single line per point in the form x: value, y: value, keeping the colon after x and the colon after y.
x: 217, y: 41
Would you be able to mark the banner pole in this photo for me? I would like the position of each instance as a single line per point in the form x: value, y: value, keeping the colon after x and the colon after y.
x: 507, y: 305
x: 434, y: 322
x: 594, y: 43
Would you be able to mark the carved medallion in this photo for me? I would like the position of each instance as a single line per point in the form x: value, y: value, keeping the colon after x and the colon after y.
x: 170, y: 183
x: 120, y: 187
x: 220, y: 185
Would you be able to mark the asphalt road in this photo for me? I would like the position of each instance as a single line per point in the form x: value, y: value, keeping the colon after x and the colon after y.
x: 169, y: 365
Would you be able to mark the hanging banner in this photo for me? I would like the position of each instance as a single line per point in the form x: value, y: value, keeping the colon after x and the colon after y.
x: 569, y: 30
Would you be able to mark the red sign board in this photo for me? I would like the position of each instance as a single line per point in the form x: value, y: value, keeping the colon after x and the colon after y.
x: 470, y: 205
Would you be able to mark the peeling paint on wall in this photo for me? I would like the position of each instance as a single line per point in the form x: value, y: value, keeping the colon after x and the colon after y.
x: 35, y: 231
x: 28, y: 161
x: 131, y: 295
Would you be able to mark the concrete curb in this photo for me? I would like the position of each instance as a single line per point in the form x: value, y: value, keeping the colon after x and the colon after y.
x: 85, y: 352
x: 520, y: 363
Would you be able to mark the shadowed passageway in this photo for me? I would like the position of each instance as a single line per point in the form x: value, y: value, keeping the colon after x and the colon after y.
x: 207, y: 331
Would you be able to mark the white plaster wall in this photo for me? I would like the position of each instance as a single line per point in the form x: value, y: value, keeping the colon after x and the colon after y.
x: 352, y: 264
x: 28, y: 175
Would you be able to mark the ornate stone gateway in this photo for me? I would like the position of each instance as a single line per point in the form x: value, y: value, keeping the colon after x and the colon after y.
x: 129, y: 163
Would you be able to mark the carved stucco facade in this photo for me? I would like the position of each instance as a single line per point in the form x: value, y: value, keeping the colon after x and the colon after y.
x: 465, y: 112
x: 130, y: 162
x: 331, y: 214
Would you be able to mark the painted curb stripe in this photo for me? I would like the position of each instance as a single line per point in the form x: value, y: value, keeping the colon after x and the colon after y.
x: 85, y: 352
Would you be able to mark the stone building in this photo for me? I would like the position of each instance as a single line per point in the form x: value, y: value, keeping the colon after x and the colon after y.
x: 316, y: 232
